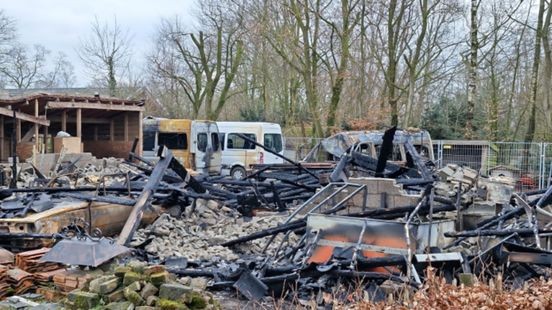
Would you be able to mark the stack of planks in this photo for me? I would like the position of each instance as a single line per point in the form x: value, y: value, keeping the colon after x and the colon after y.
x: 20, y: 281
x: 25, y: 271
x: 5, y: 287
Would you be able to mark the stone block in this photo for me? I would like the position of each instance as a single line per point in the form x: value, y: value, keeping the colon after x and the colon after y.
x: 148, y: 290
x: 158, y: 279
x: 173, y: 291
x: 131, y: 277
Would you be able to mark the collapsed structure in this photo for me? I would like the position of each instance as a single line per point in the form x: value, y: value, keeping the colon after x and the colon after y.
x: 308, y: 227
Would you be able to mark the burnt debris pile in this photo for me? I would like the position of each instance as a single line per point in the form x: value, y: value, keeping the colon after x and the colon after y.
x: 306, y: 229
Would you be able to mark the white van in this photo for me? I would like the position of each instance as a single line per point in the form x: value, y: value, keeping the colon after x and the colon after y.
x: 194, y: 143
x: 238, y: 154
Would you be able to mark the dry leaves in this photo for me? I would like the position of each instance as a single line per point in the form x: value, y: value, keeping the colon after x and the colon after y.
x: 437, y: 294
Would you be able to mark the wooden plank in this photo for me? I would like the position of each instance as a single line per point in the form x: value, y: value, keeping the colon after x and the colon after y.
x: 79, y: 122
x: 145, y: 197
x: 24, y: 117
x: 94, y: 106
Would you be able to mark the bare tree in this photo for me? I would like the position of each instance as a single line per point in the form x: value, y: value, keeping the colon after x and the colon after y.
x: 203, y: 64
x: 106, y: 53
x: 24, y: 67
x: 472, y: 69
x: 7, y: 33
x: 342, y: 30
x: 62, y: 74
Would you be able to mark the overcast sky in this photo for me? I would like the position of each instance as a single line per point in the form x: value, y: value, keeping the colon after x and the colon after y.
x: 58, y: 24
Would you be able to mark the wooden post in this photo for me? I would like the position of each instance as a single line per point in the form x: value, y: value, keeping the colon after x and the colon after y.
x: 2, y: 138
x: 96, y: 132
x: 140, y: 134
x: 18, y: 130
x: 36, y: 139
x: 45, y: 150
x: 64, y: 120
x: 126, y: 127
x: 112, y: 130
x: 79, y: 122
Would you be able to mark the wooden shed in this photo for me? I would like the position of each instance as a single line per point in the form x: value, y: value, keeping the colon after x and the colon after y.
x: 106, y: 126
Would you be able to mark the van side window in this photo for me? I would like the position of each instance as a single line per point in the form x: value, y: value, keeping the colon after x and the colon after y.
x: 202, y: 141
x: 273, y: 141
x: 149, y: 141
x: 173, y: 141
x: 215, y: 141
x: 236, y: 142
x: 221, y: 139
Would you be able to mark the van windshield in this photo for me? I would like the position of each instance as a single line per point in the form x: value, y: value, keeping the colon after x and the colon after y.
x: 173, y: 141
x: 236, y: 142
x: 273, y: 141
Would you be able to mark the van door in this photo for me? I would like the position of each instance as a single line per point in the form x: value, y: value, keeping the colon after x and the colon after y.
x: 239, y: 154
x: 274, y: 142
x: 207, y: 155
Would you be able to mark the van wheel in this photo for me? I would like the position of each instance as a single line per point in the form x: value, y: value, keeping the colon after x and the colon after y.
x: 237, y: 173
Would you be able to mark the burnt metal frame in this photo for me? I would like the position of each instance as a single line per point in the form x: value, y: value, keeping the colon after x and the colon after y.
x: 342, y: 186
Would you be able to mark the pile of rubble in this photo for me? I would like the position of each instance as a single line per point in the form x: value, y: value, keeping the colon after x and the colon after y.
x: 361, y: 222
x: 140, y: 286
x: 201, y: 230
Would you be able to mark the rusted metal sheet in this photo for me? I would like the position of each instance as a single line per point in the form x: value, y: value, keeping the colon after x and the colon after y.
x: 433, y: 234
x: 349, y: 237
x: 108, y: 218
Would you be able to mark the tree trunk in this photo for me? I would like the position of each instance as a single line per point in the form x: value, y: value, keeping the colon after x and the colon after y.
x: 472, y: 71
x: 413, y: 62
x: 112, y: 82
x: 337, y: 88
x: 531, y: 123
x: 547, y: 74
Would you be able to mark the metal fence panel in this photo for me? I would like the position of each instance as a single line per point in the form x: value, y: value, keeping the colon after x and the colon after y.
x: 529, y: 164
x: 298, y: 147
x: 524, y: 162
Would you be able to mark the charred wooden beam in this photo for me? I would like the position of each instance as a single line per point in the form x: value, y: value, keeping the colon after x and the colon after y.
x: 385, y: 150
x: 143, y: 200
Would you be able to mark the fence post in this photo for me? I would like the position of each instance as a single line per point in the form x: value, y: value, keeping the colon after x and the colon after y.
x: 542, y: 167
x: 440, y: 154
